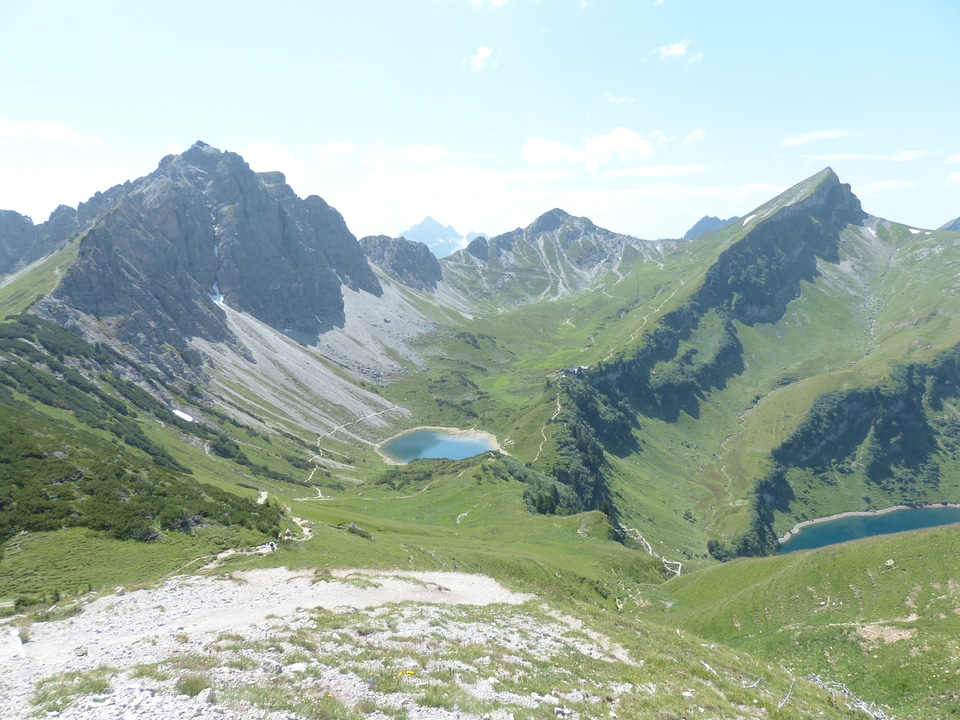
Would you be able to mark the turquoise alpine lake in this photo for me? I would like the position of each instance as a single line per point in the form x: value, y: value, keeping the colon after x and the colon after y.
x: 825, y: 532
x: 436, y: 443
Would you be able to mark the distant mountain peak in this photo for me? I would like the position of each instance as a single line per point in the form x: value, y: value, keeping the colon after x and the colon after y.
x: 441, y: 239
x: 549, y: 221
x: 708, y: 223
x: 556, y: 255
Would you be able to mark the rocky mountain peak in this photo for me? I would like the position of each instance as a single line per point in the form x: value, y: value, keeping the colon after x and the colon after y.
x: 442, y: 240
x: 22, y: 242
x: 548, y: 222
x: 164, y: 250
x: 409, y: 263
x: 779, y: 246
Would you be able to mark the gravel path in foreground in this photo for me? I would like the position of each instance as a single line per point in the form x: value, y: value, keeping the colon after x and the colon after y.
x: 280, y: 644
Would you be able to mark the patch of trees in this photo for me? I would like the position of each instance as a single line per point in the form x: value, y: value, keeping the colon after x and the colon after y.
x: 889, y: 421
x: 474, y: 340
x: 53, y: 475
x: 399, y: 477
x: 58, y: 369
x: 602, y: 405
x: 770, y: 493
x: 37, y: 351
x: 58, y: 386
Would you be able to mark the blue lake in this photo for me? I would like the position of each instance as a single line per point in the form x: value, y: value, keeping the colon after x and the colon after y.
x: 436, y: 443
x: 831, y: 532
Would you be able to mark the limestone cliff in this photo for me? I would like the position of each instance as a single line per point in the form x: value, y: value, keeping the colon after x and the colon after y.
x: 409, y: 263
x: 162, y: 252
x: 22, y: 242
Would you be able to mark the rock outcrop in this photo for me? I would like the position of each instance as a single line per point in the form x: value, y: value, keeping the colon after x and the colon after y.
x: 17, y: 233
x: 953, y: 225
x: 22, y: 242
x: 409, y: 263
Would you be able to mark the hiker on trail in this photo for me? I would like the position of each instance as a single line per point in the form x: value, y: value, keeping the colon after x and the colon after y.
x: 279, y: 537
x: 273, y: 546
x: 288, y: 533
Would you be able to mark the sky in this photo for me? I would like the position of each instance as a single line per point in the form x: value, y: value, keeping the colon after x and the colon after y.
x: 642, y: 115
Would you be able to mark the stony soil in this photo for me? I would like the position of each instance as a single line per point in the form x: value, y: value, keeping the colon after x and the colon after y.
x: 280, y: 644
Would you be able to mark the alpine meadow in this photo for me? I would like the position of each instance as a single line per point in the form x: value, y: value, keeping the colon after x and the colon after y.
x: 198, y: 368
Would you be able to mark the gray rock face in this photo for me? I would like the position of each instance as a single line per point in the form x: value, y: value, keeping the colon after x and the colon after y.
x: 952, y: 225
x: 203, y: 228
x: 409, y: 263
x: 17, y: 234
x: 22, y: 242
x: 575, y: 241
x: 556, y: 255
x: 756, y: 277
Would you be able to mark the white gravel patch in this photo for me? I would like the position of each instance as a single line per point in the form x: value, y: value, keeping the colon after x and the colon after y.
x: 187, y: 613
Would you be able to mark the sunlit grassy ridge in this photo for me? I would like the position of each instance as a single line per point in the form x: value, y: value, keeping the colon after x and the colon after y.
x: 881, y: 615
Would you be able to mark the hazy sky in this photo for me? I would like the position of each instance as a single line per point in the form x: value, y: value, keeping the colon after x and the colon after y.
x: 642, y: 115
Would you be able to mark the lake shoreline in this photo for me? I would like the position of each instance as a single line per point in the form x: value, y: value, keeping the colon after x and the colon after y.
x: 858, y: 513
x: 472, y: 432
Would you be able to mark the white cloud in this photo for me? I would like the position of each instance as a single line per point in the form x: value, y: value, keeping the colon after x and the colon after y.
x: 953, y: 179
x: 331, y: 153
x: 615, y: 100
x: 658, y: 171
x: 474, y: 195
x: 620, y: 143
x: 816, y: 135
x: 695, y: 136
x: 391, y: 198
x: 658, y: 137
x: 48, y: 131
x: 677, y: 49
x: 897, y: 157
x: 421, y: 154
x: 625, y: 144
x: 953, y: 159
x: 480, y: 60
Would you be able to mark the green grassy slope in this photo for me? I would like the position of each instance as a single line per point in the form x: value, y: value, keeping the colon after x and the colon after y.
x: 880, y: 615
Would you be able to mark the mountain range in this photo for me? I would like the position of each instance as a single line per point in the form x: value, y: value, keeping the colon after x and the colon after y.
x: 185, y: 342
x: 442, y: 240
